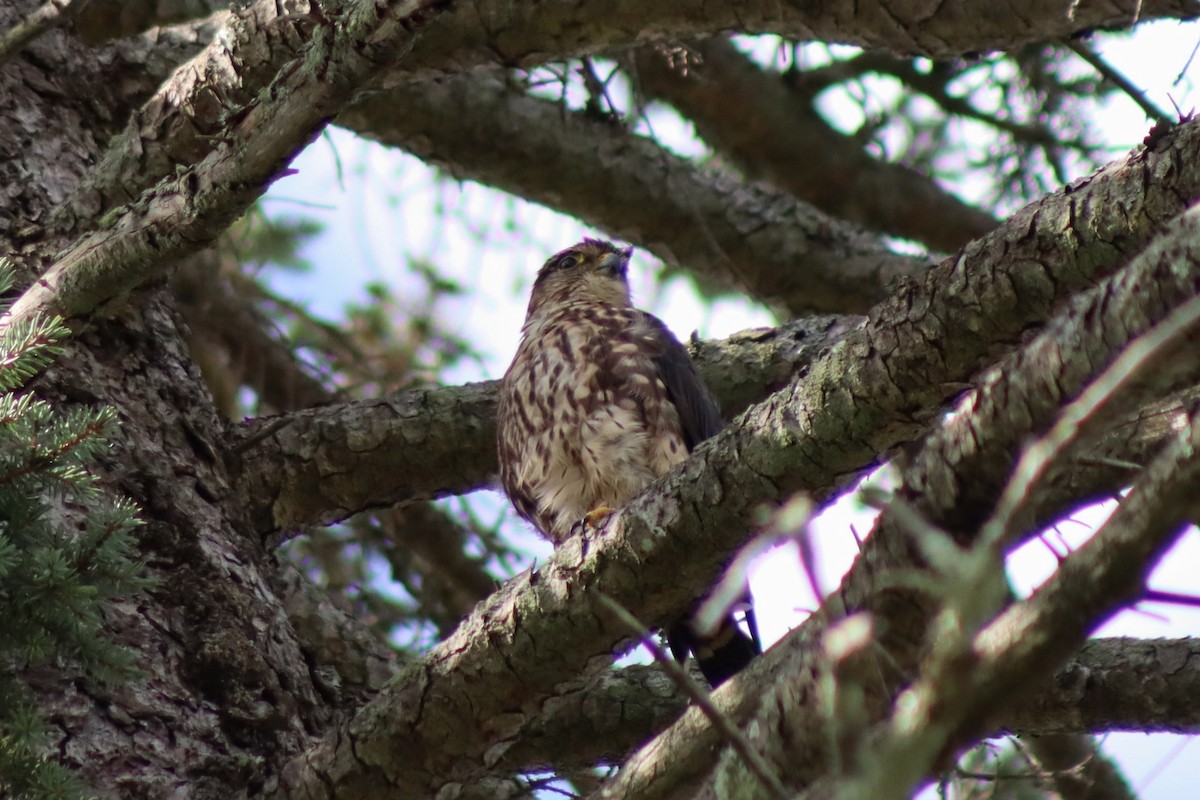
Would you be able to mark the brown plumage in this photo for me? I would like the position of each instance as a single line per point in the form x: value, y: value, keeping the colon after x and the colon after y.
x: 600, y: 400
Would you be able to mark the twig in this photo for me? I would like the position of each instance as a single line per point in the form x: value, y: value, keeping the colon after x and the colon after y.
x: 597, y: 90
x: 755, y: 762
x: 268, y: 430
x: 1108, y: 73
x: 45, y: 17
x: 1172, y: 598
x: 1186, y: 65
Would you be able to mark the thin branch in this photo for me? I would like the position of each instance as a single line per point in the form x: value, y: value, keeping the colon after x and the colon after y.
x: 932, y: 85
x: 1171, y: 598
x: 679, y: 677
x: 480, y: 34
x: 1109, y: 73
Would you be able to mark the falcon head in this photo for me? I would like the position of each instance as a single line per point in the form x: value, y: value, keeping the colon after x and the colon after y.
x: 592, y: 271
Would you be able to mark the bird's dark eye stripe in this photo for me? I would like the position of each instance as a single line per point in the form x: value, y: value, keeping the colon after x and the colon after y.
x: 566, y: 262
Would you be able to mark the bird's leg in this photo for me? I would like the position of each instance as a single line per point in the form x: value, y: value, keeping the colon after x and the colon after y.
x: 592, y: 519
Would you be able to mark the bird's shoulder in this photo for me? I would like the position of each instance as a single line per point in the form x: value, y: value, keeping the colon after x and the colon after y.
x: 700, y: 417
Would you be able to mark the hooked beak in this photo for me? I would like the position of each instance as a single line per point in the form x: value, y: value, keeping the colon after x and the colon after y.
x: 617, y: 264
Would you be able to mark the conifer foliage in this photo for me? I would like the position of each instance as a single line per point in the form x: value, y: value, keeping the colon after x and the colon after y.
x: 66, y: 551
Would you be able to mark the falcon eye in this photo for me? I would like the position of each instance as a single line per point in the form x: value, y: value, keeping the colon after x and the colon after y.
x: 566, y: 262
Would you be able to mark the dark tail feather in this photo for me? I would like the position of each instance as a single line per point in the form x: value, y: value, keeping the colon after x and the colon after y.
x: 720, y: 656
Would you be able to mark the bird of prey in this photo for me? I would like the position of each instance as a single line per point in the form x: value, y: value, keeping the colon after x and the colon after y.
x: 600, y: 400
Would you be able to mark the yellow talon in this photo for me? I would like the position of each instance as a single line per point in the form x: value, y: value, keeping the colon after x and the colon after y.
x: 595, y: 518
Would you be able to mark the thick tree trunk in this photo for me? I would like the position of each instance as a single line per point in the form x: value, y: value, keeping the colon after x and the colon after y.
x: 226, y: 693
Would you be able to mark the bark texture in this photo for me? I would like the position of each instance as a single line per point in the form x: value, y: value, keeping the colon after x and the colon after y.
x: 133, y: 134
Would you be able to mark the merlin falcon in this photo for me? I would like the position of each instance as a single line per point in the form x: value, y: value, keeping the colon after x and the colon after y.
x: 600, y: 400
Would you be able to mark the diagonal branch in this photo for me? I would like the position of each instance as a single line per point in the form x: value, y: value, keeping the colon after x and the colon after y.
x: 185, y: 212
x: 231, y: 56
x: 771, y: 132
x: 1132, y: 90
x: 1112, y: 684
x: 888, y: 552
x: 1032, y: 637
x: 727, y: 233
x: 518, y: 34
x: 1021, y: 396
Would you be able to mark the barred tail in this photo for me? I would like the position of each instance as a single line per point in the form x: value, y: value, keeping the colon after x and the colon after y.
x: 721, y: 655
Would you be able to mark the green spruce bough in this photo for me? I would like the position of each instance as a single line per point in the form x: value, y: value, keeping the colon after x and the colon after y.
x: 66, y: 552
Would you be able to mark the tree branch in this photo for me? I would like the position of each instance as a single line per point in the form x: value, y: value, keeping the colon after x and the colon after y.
x: 180, y: 122
x: 661, y: 548
x: 725, y: 232
x: 934, y: 85
x: 1144, y: 685
x: 322, y: 464
x: 876, y: 389
x: 1131, y: 90
x: 1031, y: 637
x: 1021, y: 396
x: 479, y: 33
x: 770, y: 132
x: 902, y: 615
x: 1114, y: 684
x: 185, y: 212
